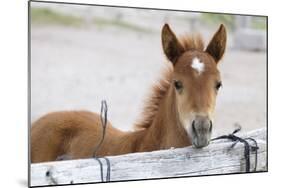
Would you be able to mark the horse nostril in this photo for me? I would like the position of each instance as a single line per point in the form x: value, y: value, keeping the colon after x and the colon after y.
x: 193, y: 127
x: 211, y: 126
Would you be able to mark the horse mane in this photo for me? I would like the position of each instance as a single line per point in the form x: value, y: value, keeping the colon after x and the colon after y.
x: 159, y: 89
x: 193, y: 42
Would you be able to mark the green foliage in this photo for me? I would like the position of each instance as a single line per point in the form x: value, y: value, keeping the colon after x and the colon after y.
x: 259, y: 23
x: 103, y: 22
x: 43, y: 16
x: 229, y: 20
x: 209, y: 18
x: 46, y: 16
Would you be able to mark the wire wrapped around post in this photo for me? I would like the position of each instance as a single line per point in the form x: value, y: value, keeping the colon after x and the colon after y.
x: 103, y: 119
x: 247, y: 147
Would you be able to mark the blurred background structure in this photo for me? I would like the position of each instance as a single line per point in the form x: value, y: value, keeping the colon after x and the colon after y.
x: 83, y: 54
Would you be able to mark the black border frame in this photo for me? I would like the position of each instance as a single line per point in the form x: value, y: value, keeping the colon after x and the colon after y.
x: 132, y: 7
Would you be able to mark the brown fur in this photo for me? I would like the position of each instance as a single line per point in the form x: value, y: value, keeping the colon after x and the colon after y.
x: 192, y: 42
x: 160, y: 89
x: 75, y: 134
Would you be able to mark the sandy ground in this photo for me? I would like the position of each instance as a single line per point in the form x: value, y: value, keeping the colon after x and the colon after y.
x: 75, y: 68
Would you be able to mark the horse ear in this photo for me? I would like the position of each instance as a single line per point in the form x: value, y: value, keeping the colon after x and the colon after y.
x: 171, y: 46
x: 216, y: 47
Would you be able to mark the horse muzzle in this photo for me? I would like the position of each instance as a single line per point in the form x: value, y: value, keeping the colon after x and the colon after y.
x: 201, y: 131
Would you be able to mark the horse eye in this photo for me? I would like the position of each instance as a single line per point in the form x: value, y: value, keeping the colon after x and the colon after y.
x: 178, y: 85
x: 218, y: 85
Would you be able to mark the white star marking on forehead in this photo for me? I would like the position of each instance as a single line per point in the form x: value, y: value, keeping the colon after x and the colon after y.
x: 197, y: 65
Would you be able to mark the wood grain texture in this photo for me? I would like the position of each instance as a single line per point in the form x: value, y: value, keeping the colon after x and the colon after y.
x: 217, y: 158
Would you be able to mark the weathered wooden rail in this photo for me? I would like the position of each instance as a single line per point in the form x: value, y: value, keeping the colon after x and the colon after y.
x: 217, y: 158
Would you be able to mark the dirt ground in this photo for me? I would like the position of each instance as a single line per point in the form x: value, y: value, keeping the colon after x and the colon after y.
x: 75, y: 68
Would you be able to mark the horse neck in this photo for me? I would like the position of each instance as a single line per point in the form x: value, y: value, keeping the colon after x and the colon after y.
x: 166, y: 130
